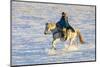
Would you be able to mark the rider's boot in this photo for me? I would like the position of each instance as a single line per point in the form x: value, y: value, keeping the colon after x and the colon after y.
x: 65, y: 32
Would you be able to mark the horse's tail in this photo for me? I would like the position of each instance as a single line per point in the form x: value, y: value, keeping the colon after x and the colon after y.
x: 80, y: 37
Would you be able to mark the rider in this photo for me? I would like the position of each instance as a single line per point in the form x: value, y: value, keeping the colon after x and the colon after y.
x: 63, y: 25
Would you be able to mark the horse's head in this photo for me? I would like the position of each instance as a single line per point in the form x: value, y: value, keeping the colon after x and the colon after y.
x: 49, y: 27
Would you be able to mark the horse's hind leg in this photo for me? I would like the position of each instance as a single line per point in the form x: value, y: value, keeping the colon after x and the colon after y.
x: 70, y: 43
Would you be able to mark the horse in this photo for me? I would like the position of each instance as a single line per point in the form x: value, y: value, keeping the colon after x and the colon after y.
x: 71, y: 36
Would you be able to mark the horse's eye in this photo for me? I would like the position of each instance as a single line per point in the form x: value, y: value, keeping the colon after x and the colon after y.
x: 47, y: 26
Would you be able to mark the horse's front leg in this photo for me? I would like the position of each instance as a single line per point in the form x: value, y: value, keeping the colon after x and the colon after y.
x: 54, y: 44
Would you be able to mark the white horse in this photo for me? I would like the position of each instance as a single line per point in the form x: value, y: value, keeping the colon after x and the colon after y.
x: 71, y: 36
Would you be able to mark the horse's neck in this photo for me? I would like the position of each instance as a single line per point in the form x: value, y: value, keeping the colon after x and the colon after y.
x: 54, y: 30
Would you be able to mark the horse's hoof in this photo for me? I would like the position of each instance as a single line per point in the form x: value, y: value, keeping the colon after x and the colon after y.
x: 53, y: 48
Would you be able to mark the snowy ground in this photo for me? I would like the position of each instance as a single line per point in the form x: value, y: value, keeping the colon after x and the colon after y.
x: 31, y: 46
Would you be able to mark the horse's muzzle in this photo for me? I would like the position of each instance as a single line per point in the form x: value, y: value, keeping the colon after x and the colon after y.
x: 45, y: 33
